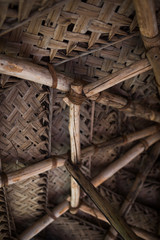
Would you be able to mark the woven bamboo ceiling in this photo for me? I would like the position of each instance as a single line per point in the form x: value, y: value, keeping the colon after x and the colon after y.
x: 93, y: 63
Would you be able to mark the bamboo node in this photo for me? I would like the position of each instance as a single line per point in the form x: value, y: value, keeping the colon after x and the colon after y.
x: 53, y: 74
x: 74, y: 210
x: 4, y: 179
x: 76, y: 98
x: 145, y: 144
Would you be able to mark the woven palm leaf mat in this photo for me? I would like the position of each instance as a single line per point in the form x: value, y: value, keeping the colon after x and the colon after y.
x: 23, y: 140
x: 61, y: 31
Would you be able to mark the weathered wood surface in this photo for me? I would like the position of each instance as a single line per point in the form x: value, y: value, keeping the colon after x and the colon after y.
x: 129, y: 107
x: 146, y: 17
x: 58, y: 161
x: 43, y: 222
x: 136, y: 187
x: 33, y: 170
x: 125, y: 159
x: 74, y: 130
x: 117, y: 77
x: 23, y: 69
x: 116, y: 221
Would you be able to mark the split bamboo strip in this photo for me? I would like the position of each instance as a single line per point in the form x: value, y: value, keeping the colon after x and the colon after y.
x: 136, y: 187
x: 131, y: 108
x: 97, y: 214
x: 43, y: 222
x: 30, y: 71
x: 125, y: 159
x: 126, y: 73
x: 58, y: 161
x: 74, y: 130
x: 105, y: 207
x: 33, y: 170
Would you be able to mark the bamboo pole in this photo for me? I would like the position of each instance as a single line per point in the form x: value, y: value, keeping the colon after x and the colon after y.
x: 104, y: 206
x: 30, y: 71
x: 145, y: 12
x: 33, y: 170
x: 58, y: 161
x: 43, y: 222
x: 112, y: 79
x: 125, y: 159
x: 94, y: 212
x: 131, y: 108
x: 136, y: 187
x: 146, y: 16
x: 74, y: 130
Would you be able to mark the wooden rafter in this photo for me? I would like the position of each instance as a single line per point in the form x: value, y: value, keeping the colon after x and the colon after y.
x: 136, y: 187
x: 146, y: 16
x: 104, y: 206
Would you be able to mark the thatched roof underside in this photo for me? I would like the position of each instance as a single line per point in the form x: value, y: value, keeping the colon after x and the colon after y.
x: 29, y: 134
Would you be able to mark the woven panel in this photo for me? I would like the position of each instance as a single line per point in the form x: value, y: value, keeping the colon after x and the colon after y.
x: 23, y: 141
x: 139, y: 216
x: 5, y: 222
x: 72, y: 227
x: 23, y: 134
x: 72, y: 24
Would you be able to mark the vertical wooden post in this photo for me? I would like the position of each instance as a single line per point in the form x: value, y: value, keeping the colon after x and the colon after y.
x: 74, y: 130
x: 146, y: 16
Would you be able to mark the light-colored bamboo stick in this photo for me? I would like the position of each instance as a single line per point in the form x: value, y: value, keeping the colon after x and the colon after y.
x: 112, y: 79
x: 43, y: 222
x: 74, y: 130
x: 125, y: 159
x: 33, y: 170
x: 131, y: 108
x: 105, y: 207
x: 136, y: 187
x: 30, y: 71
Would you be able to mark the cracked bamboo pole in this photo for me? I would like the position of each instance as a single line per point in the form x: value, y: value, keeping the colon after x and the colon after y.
x: 104, y: 206
x: 136, y: 187
x: 125, y: 159
x: 74, y: 130
x: 112, y: 79
x: 43, y: 222
x: 129, y: 107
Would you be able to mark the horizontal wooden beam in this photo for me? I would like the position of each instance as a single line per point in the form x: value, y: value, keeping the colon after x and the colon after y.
x: 58, y: 161
x: 24, y: 69
x: 125, y: 159
x: 32, y: 170
x: 129, y: 107
x: 43, y: 222
x: 112, y: 79
x: 104, y: 206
